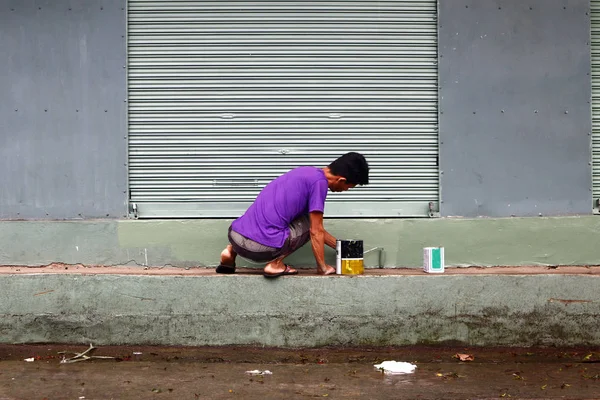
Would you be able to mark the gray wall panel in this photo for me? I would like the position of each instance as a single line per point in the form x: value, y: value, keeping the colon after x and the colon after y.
x: 63, y: 129
x: 514, y: 107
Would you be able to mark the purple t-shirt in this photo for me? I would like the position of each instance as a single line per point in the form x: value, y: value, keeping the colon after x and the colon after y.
x: 295, y: 193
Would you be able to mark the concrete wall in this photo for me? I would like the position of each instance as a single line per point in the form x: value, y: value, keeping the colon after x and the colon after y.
x: 515, y: 117
x: 485, y: 310
x: 63, y: 156
x: 63, y: 142
x: 63, y: 131
x: 509, y: 73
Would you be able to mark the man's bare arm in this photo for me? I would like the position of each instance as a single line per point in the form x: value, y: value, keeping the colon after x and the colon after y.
x: 330, y: 240
x: 318, y: 238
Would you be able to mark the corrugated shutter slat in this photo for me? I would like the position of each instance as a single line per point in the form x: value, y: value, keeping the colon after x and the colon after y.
x: 595, y: 21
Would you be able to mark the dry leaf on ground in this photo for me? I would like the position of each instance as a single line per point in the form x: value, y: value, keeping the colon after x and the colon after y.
x: 464, y: 357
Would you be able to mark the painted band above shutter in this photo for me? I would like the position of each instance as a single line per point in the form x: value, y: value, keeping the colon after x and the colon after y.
x: 224, y: 96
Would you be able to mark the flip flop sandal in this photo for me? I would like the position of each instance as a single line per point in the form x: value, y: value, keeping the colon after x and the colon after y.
x: 225, y: 269
x: 286, y: 271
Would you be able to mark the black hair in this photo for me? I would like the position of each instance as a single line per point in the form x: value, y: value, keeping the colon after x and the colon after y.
x: 352, y: 166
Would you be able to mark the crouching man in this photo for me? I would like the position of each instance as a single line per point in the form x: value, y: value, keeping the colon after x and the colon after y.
x: 288, y: 213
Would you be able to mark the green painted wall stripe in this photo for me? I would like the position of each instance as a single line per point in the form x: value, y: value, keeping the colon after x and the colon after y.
x: 482, y: 242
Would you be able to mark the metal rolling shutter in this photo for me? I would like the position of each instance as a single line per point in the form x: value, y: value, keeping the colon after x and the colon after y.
x: 224, y: 96
x: 595, y: 18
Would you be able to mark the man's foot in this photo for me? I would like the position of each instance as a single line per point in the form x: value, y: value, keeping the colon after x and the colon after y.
x: 328, y: 270
x: 277, y: 267
x: 287, y: 271
x: 228, y: 256
x: 227, y: 265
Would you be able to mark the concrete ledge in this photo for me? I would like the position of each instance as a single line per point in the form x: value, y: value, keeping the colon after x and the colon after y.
x: 184, y: 243
x: 520, y: 307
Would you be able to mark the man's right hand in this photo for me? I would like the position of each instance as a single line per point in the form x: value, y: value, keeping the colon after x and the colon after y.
x: 327, y: 270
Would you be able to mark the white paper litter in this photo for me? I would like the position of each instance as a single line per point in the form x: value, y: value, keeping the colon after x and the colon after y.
x: 257, y: 372
x: 396, y: 367
x: 30, y: 359
x: 137, y: 353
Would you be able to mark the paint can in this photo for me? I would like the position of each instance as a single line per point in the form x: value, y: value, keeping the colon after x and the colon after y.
x: 349, y: 257
x: 433, y: 259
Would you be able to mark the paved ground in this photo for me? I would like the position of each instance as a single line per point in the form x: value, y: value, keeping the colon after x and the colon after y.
x: 142, y: 372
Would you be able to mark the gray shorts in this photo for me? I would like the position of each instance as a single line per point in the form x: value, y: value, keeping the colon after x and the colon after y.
x: 251, y: 250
